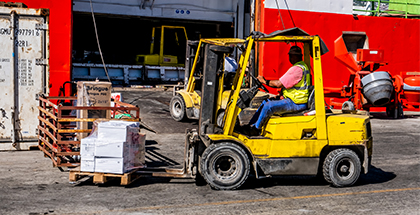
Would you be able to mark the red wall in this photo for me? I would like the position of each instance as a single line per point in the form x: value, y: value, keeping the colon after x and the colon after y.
x: 60, y: 29
x: 398, y: 37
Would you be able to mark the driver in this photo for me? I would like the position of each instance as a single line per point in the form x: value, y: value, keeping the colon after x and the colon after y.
x: 294, y: 86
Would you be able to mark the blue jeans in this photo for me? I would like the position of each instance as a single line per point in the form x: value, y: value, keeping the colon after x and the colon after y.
x: 270, y: 107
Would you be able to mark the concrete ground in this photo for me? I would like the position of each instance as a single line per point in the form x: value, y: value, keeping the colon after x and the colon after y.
x: 30, y: 185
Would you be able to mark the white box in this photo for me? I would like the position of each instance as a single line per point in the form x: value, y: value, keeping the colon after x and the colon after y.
x: 115, y: 130
x: 92, y: 94
x: 87, y: 147
x: 116, y: 149
x: 111, y: 165
x: 87, y: 164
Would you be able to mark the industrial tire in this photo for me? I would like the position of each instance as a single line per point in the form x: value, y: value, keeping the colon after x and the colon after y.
x: 225, y: 166
x: 177, y: 108
x: 400, y: 111
x: 342, y: 167
x: 199, y: 179
x: 396, y: 112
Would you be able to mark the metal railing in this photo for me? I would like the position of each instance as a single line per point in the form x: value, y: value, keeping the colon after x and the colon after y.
x: 380, y: 7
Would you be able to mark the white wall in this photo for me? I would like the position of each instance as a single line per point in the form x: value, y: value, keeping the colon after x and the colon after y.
x: 209, y: 10
x: 329, y: 6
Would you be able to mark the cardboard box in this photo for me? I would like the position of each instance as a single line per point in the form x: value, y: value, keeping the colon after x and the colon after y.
x: 111, y: 165
x: 87, y: 147
x: 93, y: 94
x: 106, y: 148
x: 117, y: 130
x: 87, y: 164
x: 115, y: 147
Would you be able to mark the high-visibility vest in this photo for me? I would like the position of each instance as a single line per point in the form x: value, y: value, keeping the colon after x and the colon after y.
x: 299, y: 93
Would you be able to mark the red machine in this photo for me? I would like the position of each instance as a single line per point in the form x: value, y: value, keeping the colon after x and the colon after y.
x: 367, y: 86
x: 410, y: 97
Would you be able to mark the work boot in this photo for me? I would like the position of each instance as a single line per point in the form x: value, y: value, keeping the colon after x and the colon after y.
x: 251, y: 130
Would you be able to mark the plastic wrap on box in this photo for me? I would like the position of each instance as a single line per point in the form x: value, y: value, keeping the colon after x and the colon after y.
x: 111, y: 148
x: 87, y: 147
x: 115, y: 130
x: 87, y: 164
x: 111, y: 165
x: 138, y: 150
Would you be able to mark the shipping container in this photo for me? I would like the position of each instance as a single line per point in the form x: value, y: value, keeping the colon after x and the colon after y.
x: 24, y: 74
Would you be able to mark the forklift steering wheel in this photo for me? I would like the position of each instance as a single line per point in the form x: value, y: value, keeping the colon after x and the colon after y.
x: 259, y: 84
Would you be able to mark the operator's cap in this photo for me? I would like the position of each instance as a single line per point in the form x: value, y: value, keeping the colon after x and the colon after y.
x: 295, y: 50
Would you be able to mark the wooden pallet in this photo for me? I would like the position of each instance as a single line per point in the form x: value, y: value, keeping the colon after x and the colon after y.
x: 101, y: 178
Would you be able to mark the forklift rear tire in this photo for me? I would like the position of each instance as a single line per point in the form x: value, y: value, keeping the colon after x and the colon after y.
x: 342, y: 167
x: 225, y: 166
x: 177, y: 108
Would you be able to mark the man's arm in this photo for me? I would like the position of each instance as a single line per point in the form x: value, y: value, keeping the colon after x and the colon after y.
x: 270, y: 83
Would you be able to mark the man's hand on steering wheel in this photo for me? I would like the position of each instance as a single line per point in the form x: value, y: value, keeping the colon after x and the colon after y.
x: 258, y: 82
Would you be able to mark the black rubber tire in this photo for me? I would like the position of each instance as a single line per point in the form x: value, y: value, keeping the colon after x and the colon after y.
x: 342, y: 167
x: 177, y: 108
x: 396, y: 112
x: 389, y: 112
x: 199, y: 179
x: 400, y: 111
x: 225, y: 166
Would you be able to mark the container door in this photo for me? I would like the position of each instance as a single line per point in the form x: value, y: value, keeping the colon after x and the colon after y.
x: 23, y: 75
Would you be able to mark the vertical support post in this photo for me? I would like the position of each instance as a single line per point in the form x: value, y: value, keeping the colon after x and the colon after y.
x: 162, y: 37
x: 209, y: 91
x: 15, y: 78
x: 240, y: 19
x: 44, y: 106
x: 126, y: 76
x: 190, y: 87
x: 319, y: 90
x: 57, y: 134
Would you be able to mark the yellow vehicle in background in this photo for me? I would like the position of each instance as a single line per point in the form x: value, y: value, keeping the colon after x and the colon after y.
x: 185, y: 104
x: 167, y: 47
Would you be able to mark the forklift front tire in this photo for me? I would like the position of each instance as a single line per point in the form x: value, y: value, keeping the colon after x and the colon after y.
x: 177, y: 108
x: 225, y: 166
x: 342, y: 167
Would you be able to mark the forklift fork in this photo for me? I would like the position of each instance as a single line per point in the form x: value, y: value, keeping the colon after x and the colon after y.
x: 188, y: 169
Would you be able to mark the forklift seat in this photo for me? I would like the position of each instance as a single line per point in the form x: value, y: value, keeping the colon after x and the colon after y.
x: 311, y: 105
x: 246, y: 114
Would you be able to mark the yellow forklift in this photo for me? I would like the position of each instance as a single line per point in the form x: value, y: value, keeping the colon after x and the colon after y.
x: 337, y: 145
x: 185, y: 103
x: 167, y: 47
